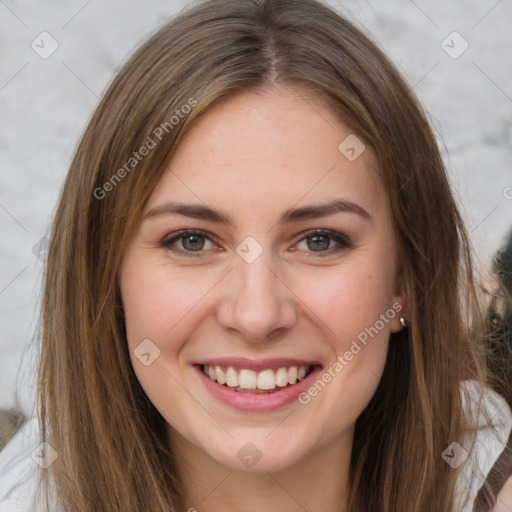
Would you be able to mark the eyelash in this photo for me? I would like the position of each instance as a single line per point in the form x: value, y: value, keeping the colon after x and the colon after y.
x: 342, y: 241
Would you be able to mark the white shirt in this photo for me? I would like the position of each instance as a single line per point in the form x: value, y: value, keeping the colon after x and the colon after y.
x: 19, y: 469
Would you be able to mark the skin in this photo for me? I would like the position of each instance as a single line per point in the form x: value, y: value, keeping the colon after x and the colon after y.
x: 504, y: 501
x: 254, y: 156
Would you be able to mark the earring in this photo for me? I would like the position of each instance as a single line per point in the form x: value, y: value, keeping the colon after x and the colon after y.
x: 404, y: 323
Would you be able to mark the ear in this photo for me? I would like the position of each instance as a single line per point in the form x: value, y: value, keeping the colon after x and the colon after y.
x: 401, y: 303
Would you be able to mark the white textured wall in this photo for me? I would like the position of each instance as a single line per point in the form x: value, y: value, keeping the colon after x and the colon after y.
x: 45, y: 103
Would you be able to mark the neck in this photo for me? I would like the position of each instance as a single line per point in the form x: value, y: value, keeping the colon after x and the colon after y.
x: 317, y: 483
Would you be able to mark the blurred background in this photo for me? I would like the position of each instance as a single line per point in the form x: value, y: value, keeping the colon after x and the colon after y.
x: 58, y: 56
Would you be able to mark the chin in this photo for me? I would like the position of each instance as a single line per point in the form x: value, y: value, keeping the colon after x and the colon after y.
x: 257, y: 456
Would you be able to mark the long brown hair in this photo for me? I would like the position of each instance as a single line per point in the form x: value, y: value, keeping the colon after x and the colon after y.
x: 111, y: 442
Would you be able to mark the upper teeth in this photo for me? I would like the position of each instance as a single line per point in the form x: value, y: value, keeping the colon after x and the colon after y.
x: 250, y: 379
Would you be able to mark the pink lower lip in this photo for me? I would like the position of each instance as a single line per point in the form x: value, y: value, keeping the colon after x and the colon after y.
x: 252, y: 402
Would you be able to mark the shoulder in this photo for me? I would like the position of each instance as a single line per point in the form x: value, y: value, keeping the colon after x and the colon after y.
x: 489, y: 420
x: 504, y: 501
x: 19, y: 470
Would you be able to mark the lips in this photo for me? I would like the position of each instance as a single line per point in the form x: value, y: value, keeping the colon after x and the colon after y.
x: 256, y: 386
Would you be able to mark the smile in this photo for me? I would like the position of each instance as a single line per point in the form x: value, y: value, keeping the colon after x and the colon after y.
x: 251, y: 385
x: 245, y: 380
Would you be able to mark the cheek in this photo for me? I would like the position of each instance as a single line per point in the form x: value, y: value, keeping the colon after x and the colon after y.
x: 157, y: 309
x: 356, y: 312
x: 158, y: 303
x: 350, y: 299
x: 353, y: 306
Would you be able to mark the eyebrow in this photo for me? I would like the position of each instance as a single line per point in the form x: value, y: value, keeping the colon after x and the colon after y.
x: 199, y: 211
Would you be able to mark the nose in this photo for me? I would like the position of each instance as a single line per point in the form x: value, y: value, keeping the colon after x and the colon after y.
x: 257, y: 304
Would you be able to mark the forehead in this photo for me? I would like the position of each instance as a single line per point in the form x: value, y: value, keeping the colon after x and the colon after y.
x: 271, y: 148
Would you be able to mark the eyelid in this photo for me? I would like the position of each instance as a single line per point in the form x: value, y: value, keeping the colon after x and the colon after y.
x: 341, y: 239
x: 168, y: 240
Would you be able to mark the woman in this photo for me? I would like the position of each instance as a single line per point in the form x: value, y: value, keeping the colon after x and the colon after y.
x: 259, y: 291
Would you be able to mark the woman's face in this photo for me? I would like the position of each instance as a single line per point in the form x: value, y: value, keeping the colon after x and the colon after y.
x: 253, y: 295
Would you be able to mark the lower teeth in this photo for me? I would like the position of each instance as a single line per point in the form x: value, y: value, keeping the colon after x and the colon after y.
x: 256, y: 391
